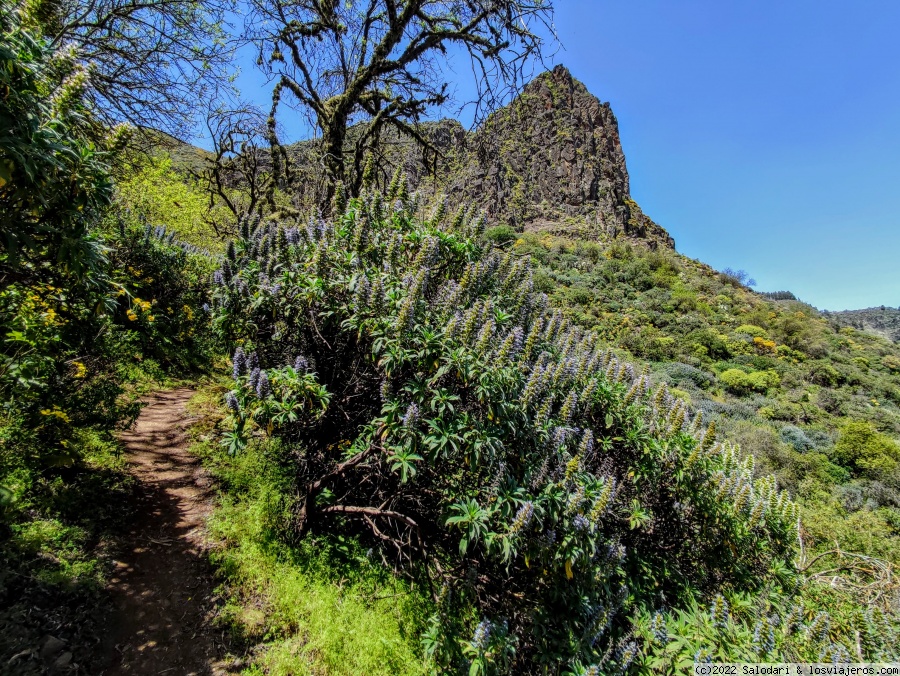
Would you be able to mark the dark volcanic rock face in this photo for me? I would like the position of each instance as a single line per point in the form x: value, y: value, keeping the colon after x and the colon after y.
x: 551, y: 159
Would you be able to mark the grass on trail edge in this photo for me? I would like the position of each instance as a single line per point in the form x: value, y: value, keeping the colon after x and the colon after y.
x: 321, y: 606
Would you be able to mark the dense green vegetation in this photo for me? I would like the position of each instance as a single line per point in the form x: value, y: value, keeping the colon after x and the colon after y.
x: 438, y: 449
x: 94, y: 305
x: 778, y: 377
x: 467, y: 388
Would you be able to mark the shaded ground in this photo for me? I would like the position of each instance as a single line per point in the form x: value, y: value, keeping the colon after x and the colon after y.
x: 162, y: 588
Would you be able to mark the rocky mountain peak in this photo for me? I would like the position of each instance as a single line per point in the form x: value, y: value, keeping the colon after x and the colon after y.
x: 552, y: 159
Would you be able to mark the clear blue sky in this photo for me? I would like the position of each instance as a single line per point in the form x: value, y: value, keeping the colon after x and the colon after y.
x: 764, y: 135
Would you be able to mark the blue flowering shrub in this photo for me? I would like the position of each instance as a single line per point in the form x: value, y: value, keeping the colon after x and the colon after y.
x: 563, y: 516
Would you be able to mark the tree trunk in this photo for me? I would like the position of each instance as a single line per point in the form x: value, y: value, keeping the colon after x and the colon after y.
x: 333, y: 134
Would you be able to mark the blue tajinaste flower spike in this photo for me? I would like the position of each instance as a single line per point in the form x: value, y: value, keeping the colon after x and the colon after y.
x: 544, y: 411
x: 540, y: 474
x: 301, y: 364
x: 576, y: 497
x: 218, y: 278
x: 769, y: 641
x: 550, y: 324
x: 658, y: 628
x: 558, y: 438
x: 263, y: 389
x: 757, y: 635
x: 239, y: 363
x: 478, y: 225
x: 376, y: 296
x: 603, y: 501
x: 523, y: 517
x: 482, y: 637
x: 719, y: 613
x: 253, y: 379
x: 587, y: 393
x: 386, y: 391
x: 460, y: 217
x: 361, y: 295
x: 634, y: 391
x: 293, y: 236
x: 454, y: 326
x: 429, y: 253
x: 534, y: 335
x: 411, y: 417
x: 440, y: 211
x: 568, y: 407
x: 470, y: 323
x: 453, y: 297
x: 536, y: 384
x: 232, y: 403
x: 586, y: 447
x: 580, y: 522
x: 626, y: 656
x: 820, y: 626
x: 703, y: 656
x: 253, y: 361
x: 559, y: 374
x: 206, y: 308
x: 567, y: 348
x: 360, y: 237
x: 612, y: 370
x: 485, y: 336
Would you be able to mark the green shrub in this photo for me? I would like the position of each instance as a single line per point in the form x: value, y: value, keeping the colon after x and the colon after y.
x: 740, y: 382
x: 752, y: 331
x: 891, y: 362
x: 52, y: 180
x: 866, y: 452
x: 467, y: 456
x: 679, y: 373
x: 501, y: 234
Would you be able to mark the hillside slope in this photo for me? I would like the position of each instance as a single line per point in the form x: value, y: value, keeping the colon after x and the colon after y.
x: 882, y: 321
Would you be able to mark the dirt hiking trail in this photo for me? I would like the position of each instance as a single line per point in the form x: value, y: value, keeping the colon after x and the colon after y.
x: 162, y: 587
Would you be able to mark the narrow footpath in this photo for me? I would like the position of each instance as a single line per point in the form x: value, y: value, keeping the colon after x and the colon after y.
x: 162, y: 588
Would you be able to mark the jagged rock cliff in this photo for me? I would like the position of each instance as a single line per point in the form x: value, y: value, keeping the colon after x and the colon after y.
x: 550, y: 160
x: 553, y: 159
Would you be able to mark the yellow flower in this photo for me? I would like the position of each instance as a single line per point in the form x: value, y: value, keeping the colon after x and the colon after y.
x: 150, y: 318
x: 131, y: 315
x: 56, y: 412
x: 80, y: 369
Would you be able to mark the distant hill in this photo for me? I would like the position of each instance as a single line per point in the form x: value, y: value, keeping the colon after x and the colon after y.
x: 882, y: 321
x: 186, y: 157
